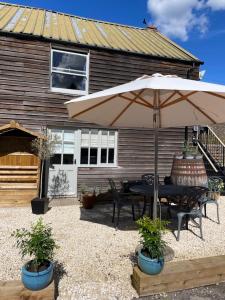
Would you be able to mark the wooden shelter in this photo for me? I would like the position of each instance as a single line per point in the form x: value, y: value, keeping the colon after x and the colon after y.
x: 19, y: 165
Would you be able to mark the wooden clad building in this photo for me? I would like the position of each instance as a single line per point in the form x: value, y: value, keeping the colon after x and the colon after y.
x: 47, y: 58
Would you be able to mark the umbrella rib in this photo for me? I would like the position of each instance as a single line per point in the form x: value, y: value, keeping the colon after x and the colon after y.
x: 94, y: 106
x: 168, y: 99
x: 143, y: 100
x: 126, y: 98
x: 199, y: 109
x: 179, y: 99
x: 216, y: 95
x: 126, y: 108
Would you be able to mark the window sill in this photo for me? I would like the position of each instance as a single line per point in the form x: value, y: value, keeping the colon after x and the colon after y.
x: 68, y: 92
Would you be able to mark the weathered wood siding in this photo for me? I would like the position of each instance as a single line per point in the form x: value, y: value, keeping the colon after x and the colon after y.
x: 25, y: 96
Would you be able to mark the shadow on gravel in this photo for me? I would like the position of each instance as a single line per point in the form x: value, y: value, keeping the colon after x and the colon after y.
x: 59, y: 273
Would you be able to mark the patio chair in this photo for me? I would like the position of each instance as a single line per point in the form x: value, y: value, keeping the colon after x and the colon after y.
x: 190, y: 206
x: 213, y: 188
x: 120, y: 199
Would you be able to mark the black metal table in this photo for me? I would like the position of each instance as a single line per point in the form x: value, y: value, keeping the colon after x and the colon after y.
x: 165, y: 191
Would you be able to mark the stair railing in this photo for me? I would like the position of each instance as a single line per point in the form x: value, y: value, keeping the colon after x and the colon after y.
x: 213, y: 145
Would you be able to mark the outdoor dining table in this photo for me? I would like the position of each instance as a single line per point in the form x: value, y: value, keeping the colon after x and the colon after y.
x: 165, y: 191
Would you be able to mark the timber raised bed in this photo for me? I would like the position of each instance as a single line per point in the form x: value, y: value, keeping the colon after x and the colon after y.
x: 15, y: 290
x: 180, y: 275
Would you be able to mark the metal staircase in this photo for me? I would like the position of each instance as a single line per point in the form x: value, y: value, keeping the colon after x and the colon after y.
x: 212, y: 149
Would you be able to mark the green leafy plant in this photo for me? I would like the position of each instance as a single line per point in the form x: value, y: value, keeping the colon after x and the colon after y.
x: 189, y: 149
x: 37, y: 242
x: 151, y: 233
x: 216, y: 184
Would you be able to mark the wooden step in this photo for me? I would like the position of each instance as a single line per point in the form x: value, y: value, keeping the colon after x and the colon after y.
x: 180, y: 275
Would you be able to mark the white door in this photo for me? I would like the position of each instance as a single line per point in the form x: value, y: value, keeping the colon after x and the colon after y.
x: 63, y: 165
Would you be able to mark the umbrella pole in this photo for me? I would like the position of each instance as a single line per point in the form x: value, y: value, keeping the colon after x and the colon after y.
x: 156, y: 140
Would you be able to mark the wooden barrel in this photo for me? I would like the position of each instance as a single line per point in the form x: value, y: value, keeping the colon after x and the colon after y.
x: 189, y: 172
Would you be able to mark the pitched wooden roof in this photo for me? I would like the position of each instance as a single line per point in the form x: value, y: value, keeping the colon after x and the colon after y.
x: 16, y: 126
x: 57, y: 26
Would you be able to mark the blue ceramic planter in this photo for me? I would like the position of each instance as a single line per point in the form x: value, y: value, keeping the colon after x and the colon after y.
x: 36, y: 281
x: 150, y: 266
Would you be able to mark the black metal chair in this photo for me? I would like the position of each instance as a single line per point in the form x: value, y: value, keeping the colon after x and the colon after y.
x: 120, y: 199
x: 190, y: 206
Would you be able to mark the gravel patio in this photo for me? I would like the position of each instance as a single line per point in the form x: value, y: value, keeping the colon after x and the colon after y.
x: 94, y: 260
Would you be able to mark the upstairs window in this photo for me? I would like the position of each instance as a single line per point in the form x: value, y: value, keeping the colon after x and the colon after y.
x: 69, y: 72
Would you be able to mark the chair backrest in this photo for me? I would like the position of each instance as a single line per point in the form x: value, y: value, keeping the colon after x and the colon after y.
x: 149, y: 178
x: 113, y: 188
x: 192, y: 197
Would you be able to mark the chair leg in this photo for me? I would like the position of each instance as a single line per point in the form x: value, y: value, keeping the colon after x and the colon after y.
x: 218, y: 215
x: 114, y: 209
x: 205, y: 211
x: 133, y: 212
x: 144, y: 207
x: 179, y: 226
x: 200, y: 227
x: 118, y: 215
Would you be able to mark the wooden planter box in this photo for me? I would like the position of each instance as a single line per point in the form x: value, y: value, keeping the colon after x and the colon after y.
x: 180, y: 275
x: 15, y: 290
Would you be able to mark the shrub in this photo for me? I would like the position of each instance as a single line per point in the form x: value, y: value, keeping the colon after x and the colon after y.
x: 151, y: 233
x: 38, y: 243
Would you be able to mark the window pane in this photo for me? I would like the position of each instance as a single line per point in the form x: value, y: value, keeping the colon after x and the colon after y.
x: 93, y: 156
x: 85, y: 137
x: 84, y: 156
x: 65, y: 81
x: 103, y: 156
x: 58, y: 148
x: 68, y: 148
x: 68, y: 62
x: 111, y: 141
x: 68, y: 136
x: 111, y: 156
x: 94, y: 138
x: 104, y: 138
x: 68, y: 159
x: 56, y: 159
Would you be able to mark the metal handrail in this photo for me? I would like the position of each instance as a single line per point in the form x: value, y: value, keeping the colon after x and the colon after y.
x: 207, y: 157
x: 213, y: 147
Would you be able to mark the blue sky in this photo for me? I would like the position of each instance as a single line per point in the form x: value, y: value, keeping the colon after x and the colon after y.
x: 196, y: 25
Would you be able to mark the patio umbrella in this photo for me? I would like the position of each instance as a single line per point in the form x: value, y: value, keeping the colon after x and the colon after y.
x: 155, y: 101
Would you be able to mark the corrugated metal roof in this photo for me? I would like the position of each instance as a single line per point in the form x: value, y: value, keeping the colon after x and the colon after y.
x: 53, y: 25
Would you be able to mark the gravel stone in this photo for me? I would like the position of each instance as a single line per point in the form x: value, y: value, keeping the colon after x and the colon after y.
x: 94, y: 260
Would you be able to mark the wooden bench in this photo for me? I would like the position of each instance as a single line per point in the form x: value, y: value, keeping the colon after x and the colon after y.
x: 180, y: 275
x: 15, y: 290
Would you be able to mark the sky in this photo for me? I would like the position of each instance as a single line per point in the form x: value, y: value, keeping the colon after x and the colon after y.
x: 196, y: 25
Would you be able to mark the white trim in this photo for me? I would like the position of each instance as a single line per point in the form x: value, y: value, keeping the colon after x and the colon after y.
x: 70, y: 91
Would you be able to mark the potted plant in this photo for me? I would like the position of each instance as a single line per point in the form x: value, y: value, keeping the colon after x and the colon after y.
x: 216, y: 186
x: 151, y: 254
x: 39, y: 244
x: 88, y: 197
x: 45, y: 149
x: 188, y: 150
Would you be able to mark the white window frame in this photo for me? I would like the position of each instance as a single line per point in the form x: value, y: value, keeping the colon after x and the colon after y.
x: 69, y: 91
x: 99, y: 147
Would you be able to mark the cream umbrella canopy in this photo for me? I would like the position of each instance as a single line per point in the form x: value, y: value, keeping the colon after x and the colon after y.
x: 155, y: 101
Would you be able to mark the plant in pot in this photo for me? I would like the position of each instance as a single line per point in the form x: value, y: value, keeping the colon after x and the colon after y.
x: 215, y: 186
x: 188, y: 150
x: 45, y: 149
x: 39, y: 244
x: 88, y: 196
x: 151, y: 254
